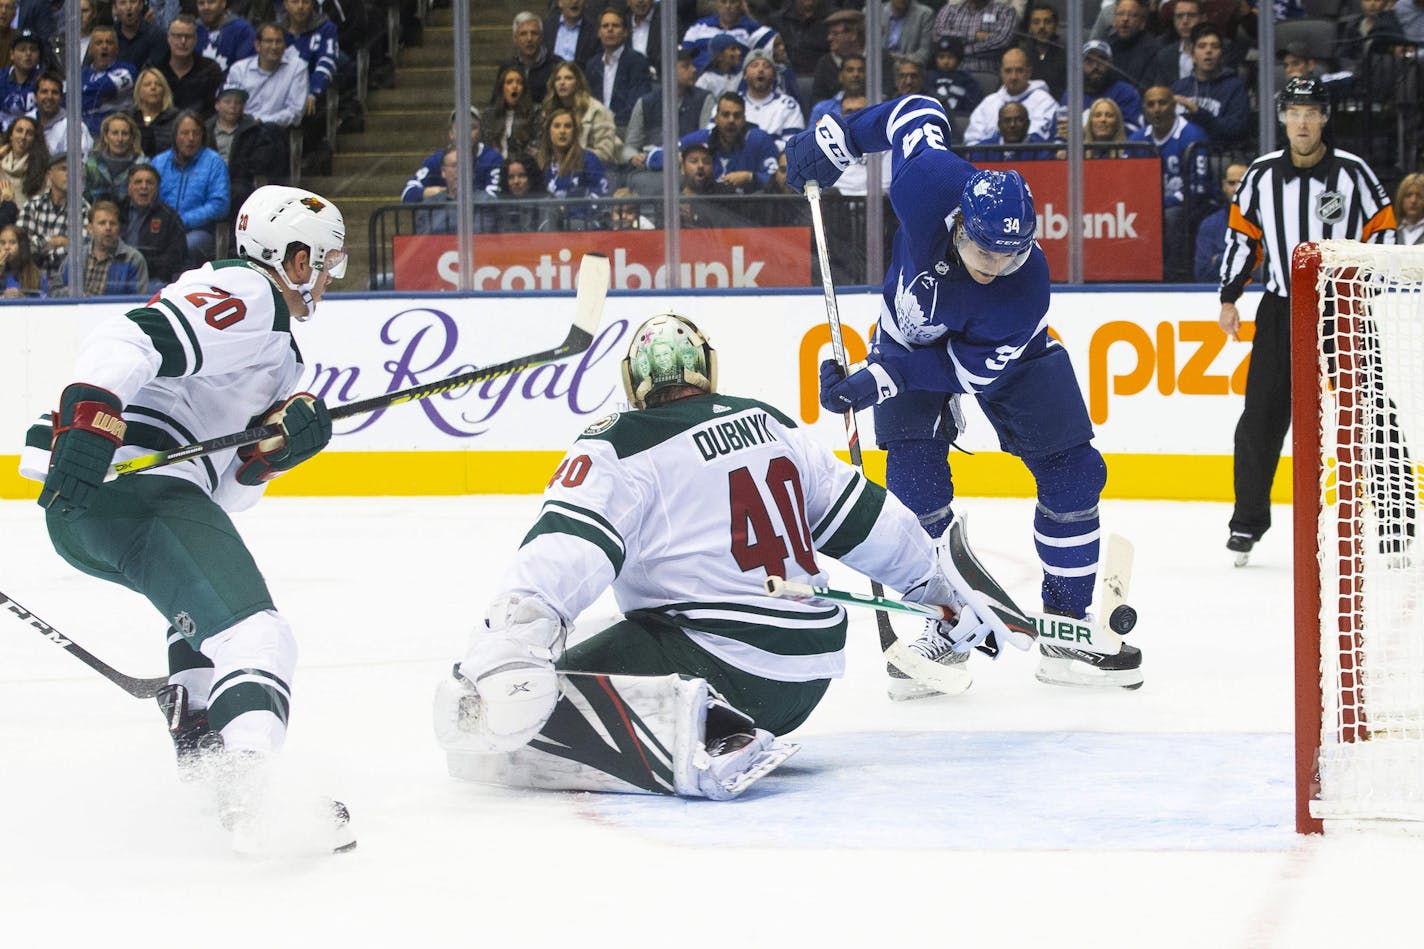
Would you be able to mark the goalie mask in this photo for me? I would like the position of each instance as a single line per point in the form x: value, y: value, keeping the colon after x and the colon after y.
x: 275, y: 217
x: 667, y: 350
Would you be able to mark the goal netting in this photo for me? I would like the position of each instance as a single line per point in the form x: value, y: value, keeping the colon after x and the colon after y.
x: 1358, y: 367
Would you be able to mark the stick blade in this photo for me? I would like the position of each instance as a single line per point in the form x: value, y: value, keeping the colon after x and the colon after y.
x: 594, y: 279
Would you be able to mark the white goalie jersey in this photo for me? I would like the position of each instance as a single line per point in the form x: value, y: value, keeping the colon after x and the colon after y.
x: 687, y: 508
x: 203, y: 358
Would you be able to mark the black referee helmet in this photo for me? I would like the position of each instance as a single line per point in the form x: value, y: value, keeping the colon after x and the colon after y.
x: 1303, y: 90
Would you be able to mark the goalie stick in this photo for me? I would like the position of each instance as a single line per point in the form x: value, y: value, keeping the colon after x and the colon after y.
x: 138, y: 688
x: 946, y: 679
x: 593, y: 281
x: 1119, y: 617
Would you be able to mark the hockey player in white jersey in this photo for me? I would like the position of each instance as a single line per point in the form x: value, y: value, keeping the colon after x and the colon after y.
x: 685, y: 507
x: 211, y: 353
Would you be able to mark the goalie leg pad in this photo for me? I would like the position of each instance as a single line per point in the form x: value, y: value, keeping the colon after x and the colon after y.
x: 633, y: 734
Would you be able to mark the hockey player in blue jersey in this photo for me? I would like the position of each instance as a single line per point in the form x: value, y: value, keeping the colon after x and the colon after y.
x: 964, y: 311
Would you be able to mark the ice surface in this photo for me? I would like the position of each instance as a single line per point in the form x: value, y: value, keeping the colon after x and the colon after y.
x: 1015, y: 815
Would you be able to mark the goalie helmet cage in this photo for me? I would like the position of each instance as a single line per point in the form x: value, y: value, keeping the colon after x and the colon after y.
x: 1357, y: 313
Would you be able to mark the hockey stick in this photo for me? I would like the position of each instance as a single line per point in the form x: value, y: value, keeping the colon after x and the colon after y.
x: 946, y: 679
x: 593, y: 280
x: 1057, y: 629
x: 138, y: 688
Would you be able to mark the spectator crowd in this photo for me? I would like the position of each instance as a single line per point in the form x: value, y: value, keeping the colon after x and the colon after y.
x: 185, y: 113
x: 576, y: 111
x: 186, y: 107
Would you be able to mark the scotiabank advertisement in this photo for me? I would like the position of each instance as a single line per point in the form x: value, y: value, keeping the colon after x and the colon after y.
x: 1122, y: 216
x: 1122, y: 241
x: 711, y: 258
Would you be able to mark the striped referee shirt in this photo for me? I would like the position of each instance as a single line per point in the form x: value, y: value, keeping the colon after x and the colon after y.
x: 1279, y: 206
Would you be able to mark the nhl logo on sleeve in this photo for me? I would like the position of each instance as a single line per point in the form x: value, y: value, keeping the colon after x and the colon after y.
x: 1330, y: 207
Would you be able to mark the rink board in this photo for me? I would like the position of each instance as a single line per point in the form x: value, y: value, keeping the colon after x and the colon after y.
x: 1162, y: 382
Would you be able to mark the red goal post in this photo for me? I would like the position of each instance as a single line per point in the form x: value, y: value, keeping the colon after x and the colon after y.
x: 1357, y: 363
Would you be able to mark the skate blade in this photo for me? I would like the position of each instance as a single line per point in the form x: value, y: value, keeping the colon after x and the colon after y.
x: 764, y: 763
x: 906, y: 690
x: 312, y: 829
x: 1241, y: 559
x: 1075, y: 674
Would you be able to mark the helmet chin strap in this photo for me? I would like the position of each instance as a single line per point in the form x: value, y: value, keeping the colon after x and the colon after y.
x: 278, y: 276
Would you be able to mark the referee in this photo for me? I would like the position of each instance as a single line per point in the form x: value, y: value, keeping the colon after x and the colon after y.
x: 1308, y: 191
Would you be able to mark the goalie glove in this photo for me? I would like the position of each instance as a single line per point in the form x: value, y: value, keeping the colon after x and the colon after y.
x: 306, y: 430
x: 505, y: 688
x: 88, y: 428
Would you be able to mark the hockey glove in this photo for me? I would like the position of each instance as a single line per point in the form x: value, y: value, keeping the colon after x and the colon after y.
x: 306, y: 429
x: 511, y: 670
x: 88, y: 428
x: 819, y: 154
x: 868, y: 386
x: 987, y: 614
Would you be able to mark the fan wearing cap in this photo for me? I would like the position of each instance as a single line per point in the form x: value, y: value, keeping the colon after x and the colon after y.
x: 768, y: 108
x: 955, y: 88
x: 1102, y: 81
x: 429, y: 182
x: 250, y: 149
x: 730, y: 19
x: 723, y: 72
x: 964, y: 311
x: 17, y: 82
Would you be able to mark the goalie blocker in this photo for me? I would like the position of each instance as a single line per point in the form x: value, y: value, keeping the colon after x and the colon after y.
x: 668, y: 734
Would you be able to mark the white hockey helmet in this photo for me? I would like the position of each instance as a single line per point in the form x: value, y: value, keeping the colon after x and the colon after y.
x: 668, y: 350
x: 275, y: 217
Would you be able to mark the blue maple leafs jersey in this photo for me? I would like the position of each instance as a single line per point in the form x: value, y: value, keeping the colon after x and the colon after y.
x: 939, y: 328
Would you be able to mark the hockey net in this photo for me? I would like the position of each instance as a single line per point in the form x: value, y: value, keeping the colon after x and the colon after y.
x: 1357, y: 315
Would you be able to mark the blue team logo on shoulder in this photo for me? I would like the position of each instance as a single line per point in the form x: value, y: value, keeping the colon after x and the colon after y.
x: 602, y: 425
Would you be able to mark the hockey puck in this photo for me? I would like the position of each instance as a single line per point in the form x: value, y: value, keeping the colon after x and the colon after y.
x: 1122, y: 620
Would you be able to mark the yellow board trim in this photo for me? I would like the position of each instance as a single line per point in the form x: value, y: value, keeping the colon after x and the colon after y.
x: 984, y: 474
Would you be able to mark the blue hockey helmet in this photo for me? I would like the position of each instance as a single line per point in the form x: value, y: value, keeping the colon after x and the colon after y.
x: 997, y: 223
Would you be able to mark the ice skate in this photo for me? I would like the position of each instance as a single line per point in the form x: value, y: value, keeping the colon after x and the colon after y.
x: 741, y: 759
x: 266, y: 820
x: 1063, y: 665
x: 933, y: 647
x: 1240, y: 544
x: 193, y: 740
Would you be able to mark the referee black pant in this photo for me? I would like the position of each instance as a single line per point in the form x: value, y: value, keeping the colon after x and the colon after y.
x: 1265, y: 419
